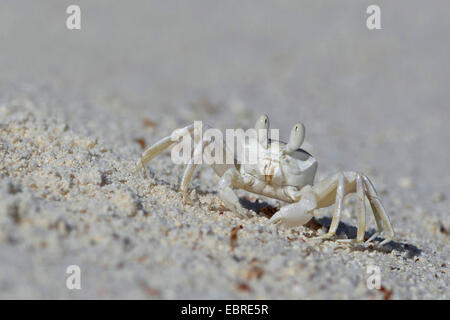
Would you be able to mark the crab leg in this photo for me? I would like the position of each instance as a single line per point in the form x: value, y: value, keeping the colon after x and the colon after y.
x: 361, y: 210
x: 226, y: 193
x: 378, y: 211
x: 198, y: 153
x: 345, y: 183
x: 190, y: 167
x: 160, y: 146
x: 337, y: 184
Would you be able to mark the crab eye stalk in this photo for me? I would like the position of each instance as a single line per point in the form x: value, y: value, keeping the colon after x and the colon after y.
x: 262, y: 130
x: 296, y: 139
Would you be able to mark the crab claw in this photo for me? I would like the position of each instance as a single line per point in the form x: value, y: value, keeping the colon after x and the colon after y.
x: 296, y: 214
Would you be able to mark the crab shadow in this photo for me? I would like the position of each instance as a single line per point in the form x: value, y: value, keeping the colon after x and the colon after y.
x: 409, y: 250
x: 260, y: 207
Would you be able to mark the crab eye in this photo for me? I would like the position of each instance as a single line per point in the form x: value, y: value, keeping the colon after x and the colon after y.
x: 262, y: 126
x: 262, y: 122
x: 297, y: 137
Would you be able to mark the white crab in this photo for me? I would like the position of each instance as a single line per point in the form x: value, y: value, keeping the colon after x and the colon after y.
x: 288, y: 176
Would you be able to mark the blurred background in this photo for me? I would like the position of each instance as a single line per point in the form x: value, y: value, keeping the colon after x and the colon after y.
x: 371, y: 100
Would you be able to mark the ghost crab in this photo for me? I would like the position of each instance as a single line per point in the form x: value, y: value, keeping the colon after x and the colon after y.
x: 287, y: 175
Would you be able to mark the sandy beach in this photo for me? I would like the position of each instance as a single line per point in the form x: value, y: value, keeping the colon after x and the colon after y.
x: 78, y: 107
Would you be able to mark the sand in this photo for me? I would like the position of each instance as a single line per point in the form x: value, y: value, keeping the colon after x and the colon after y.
x: 77, y: 108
